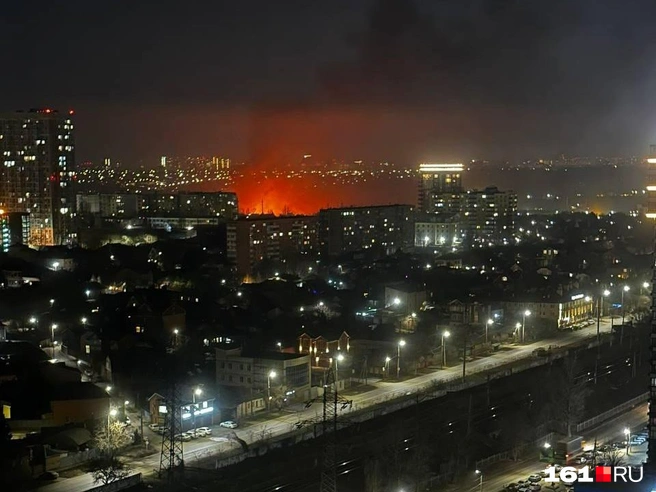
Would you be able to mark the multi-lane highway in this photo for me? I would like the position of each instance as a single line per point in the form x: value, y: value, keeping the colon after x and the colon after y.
x: 204, y: 448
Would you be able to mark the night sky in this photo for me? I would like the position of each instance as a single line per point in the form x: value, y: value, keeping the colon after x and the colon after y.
x: 402, y: 80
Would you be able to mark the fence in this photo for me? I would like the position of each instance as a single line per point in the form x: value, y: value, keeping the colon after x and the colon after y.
x: 71, y: 460
x: 122, y: 484
x: 612, y: 412
x: 506, y: 455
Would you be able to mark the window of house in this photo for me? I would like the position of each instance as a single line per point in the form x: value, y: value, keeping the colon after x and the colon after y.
x: 241, y: 379
x: 230, y: 378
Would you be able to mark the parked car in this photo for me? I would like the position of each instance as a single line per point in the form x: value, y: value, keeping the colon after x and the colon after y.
x: 205, y: 430
x: 49, y: 475
x: 154, y: 427
x: 230, y: 424
x: 188, y: 436
x: 534, y: 478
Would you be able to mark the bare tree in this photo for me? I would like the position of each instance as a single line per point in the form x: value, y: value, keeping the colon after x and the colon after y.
x: 613, y: 457
x: 108, y: 469
x: 569, y: 395
x: 112, y: 438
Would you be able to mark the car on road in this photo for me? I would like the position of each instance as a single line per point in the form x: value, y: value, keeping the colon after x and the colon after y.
x: 182, y: 437
x: 534, y: 478
x: 188, y: 436
x: 154, y: 427
x: 205, y: 430
x: 229, y: 424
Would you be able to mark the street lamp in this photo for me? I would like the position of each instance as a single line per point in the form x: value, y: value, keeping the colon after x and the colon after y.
x: 32, y: 320
x: 489, y: 323
x: 445, y: 335
x: 524, y: 316
x: 175, y: 337
x: 52, y: 302
x: 108, y: 389
x: 339, y: 358
x: 398, y: 358
x: 625, y: 289
x: 396, y: 301
x: 271, y: 375
x: 88, y: 293
x: 196, y: 392
x: 84, y: 321
x: 386, y: 368
x: 53, y: 327
x: 480, y: 480
x: 627, y: 433
x: 279, y: 344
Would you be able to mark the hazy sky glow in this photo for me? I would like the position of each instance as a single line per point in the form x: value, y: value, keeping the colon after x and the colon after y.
x: 380, y: 79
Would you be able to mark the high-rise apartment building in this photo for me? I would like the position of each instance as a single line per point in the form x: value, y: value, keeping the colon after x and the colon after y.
x: 651, y: 214
x: 489, y: 215
x: 117, y: 206
x: 256, y: 238
x: 438, y: 179
x: 37, y: 148
x: 384, y: 227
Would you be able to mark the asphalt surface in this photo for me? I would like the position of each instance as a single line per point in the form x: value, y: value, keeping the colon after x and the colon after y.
x: 200, y: 450
x: 497, y: 476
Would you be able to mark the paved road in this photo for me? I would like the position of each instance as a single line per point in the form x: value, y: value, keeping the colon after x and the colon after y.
x: 499, y: 475
x: 203, y: 448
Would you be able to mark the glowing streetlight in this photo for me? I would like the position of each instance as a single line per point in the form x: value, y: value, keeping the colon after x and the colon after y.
x: 388, y: 359
x: 525, y: 314
x: 196, y: 392
x: 32, y: 320
x: 338, y: 358
x: 625, y: 289
x: 445, y: 335
x: 396, y: 301
x: 480, y: 481
x: 398, y: 358
x: 53, y: 327
x: 489, y: 323
x: 52, y: 302
x: 272, y: 374
x: 108, y: 389
x: 84, y: 321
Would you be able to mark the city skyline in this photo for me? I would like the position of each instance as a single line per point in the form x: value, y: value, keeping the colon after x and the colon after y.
x: 384, y: 79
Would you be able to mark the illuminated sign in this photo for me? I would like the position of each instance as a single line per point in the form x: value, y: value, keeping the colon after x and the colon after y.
x: 577, y: 297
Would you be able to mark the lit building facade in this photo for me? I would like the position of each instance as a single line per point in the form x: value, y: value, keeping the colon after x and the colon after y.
x: 262, y: 371
x: 651, y: 214
x: 489, y: 215
x: 437, y: 231
x: 438, y: 179
x: 384, y: 227
x: 110, y: 206
x: 38, y: 168
x: 255, y: 238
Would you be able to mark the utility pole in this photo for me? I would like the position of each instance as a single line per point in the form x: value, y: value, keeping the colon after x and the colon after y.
x: 172, y: 456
